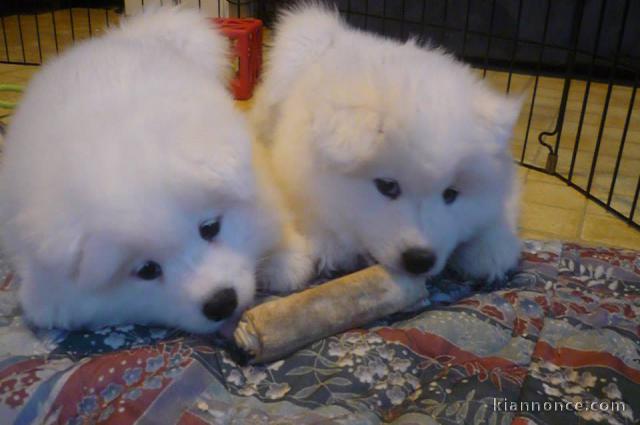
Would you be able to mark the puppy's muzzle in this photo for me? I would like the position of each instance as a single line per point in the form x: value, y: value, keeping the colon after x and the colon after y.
x: 418, y: 260
x: 220, y: 305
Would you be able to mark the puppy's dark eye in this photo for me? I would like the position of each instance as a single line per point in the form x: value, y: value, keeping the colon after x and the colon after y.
x: 449, y: 195
x: 149, y: 271
x: 209, y: 229
x: 388, y: 187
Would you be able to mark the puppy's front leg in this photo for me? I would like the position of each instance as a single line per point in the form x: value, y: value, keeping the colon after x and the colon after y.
x: 290, y: 267
x: 490, y: 254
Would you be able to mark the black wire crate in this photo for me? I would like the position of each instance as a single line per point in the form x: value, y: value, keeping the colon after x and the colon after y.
x: 576, y: 61
x: 32, y: 31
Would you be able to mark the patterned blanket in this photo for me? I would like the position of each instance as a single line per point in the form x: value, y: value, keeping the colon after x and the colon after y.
x: 559, y: 343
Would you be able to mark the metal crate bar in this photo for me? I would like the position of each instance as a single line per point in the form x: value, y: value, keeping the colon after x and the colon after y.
x: 536, y: 81
x: 605, y: 110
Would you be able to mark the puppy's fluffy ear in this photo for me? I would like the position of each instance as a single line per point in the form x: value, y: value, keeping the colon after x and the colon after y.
x: 348, y: 137
x: 497, y: 115
x: 185, y: 31
x: 303, y: 33
x: 96, y: 262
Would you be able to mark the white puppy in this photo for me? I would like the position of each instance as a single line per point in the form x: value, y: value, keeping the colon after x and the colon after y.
x: 385, y: 150
x: 128, y: 190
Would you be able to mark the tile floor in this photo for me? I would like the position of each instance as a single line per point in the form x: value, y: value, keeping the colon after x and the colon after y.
x: 43, y: 34
x: 550, y: 209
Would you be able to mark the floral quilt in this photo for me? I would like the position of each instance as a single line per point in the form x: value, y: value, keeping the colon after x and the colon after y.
x: 557, y: 343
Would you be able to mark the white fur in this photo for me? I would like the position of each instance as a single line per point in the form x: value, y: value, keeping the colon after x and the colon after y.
x: 339, y: 108
x: 118, y: 150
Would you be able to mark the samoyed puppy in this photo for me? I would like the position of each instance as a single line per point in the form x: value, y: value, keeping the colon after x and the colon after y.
x: 128, y: 188
x: 384, y: 150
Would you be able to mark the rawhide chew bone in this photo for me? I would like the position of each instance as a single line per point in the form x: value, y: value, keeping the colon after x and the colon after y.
x: 276, y: 328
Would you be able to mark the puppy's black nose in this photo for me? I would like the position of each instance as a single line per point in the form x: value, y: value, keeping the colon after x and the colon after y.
x: 418, y: 260
x: 220, y: 305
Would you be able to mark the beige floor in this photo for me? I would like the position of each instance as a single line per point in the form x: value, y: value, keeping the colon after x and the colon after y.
x: 550, y: 209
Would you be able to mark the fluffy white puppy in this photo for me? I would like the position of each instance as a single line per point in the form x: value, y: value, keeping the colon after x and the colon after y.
x: 385, y: 150
x: 128, y: 190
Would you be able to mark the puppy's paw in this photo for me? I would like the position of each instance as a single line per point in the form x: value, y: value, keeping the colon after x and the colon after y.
x: 489, y: 256
x: 286, y: 272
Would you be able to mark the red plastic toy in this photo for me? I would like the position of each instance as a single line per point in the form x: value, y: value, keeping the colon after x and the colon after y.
x: 245, y: 35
